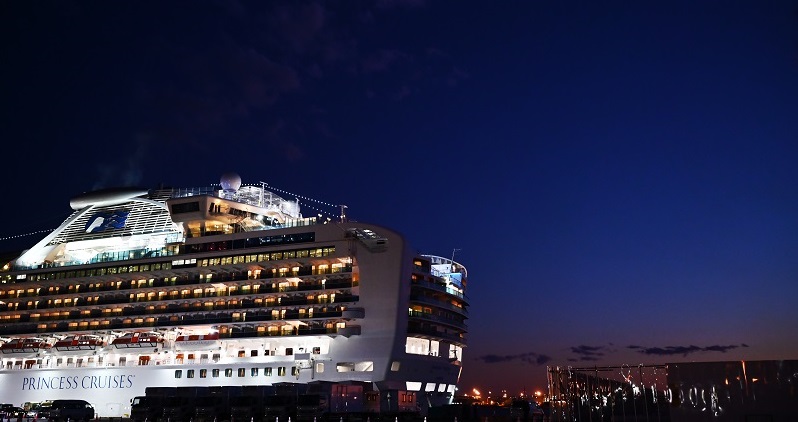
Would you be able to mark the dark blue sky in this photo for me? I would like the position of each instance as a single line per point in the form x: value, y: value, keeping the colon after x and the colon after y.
x: 619, y: 178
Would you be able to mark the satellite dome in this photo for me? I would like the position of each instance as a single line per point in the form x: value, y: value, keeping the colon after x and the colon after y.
x: 230, y: 182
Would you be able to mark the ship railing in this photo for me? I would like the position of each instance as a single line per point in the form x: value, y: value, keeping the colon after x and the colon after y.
x: 439, y: 303
x: 117, y: 256
x: 435, y: 333
x: 340, y: 282
x: 177, y: 315
x: 430, y: 317
x: 438, y: 287
x: 248, y: 194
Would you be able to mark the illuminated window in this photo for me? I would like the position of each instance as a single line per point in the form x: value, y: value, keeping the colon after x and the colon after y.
x: 413, y: 386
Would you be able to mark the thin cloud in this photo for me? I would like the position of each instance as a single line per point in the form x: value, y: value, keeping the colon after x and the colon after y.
x: 531, y: 358
x: 383, y: 60
x: 683, y: 350
x: 257, y: 62
x: 456, y: 76
x: 587, y: 353
x: 390, y: 4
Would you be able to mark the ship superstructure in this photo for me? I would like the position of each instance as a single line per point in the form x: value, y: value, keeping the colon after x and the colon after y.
x: 228, y: 285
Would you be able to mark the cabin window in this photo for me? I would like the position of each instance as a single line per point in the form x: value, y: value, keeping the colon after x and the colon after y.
x: 203, y: 373
x: 178, y: 373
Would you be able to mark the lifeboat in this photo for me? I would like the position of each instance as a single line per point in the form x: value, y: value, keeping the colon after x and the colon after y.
x: 138, y: 340
x: 196, y: 341
x: 24, y: 345
x: 84, y: 342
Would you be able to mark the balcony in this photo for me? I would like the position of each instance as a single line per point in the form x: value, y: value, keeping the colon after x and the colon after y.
x: 421, y: 316
x: 435, y: 334
x: 348, y: 331
x: 438, y: 287
x: 353, y: 313
x: 443, y: 304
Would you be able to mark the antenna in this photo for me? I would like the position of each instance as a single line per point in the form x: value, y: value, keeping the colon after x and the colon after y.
x: 343, y: 213
x: 455, y: 251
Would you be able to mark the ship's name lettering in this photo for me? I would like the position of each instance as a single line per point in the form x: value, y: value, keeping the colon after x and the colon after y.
x: 87, y: 382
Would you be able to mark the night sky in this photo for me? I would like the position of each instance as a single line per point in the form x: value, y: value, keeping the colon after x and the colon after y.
x: 619, y: 178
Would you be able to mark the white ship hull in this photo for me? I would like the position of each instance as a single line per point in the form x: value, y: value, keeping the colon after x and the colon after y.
x: 110, y: 388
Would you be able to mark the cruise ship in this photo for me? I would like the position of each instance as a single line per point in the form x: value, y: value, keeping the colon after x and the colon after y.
x: 228, y: 285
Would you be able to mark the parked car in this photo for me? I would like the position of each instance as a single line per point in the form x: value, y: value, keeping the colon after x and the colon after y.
x: 11, y: 413
x: 62, y: 410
